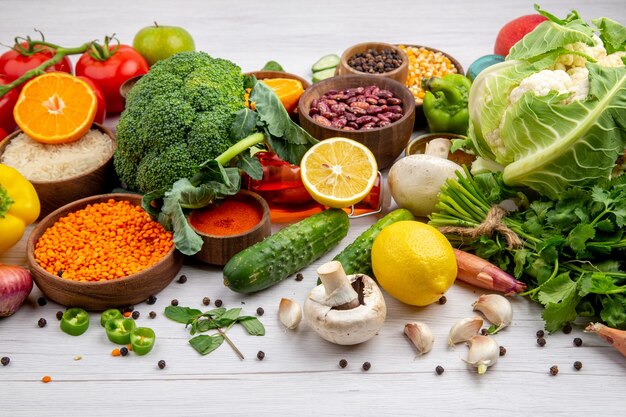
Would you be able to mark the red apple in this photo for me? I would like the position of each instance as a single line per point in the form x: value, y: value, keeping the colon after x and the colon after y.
x: 516, y: 29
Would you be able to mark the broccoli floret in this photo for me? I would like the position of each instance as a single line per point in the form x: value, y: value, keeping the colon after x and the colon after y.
x: 177, y: 116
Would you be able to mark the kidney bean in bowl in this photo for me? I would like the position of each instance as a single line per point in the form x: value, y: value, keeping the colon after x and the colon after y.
x: 357, y: 108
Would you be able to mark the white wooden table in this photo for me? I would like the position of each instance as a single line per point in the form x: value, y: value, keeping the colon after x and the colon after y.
x: 300, y: 373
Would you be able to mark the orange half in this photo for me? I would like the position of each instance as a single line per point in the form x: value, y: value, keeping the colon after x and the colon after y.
x: 287, y: 90
x: 55, y: 108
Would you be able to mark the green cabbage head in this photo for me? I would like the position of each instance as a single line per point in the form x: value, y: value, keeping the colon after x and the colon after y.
x: 553, y: 115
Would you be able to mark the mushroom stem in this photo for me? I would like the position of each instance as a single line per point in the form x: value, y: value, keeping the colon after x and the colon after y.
x: 339, y: 292
x: 439, y: 147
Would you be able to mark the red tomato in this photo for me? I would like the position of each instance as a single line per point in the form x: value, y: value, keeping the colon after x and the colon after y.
x: 3, y: 134
x: 101, y: 112
x: 109, y: 75
x: 7, y: 102
x: 13, y: 64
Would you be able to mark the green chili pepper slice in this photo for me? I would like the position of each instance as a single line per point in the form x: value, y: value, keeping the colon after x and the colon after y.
x: 142, y: 340
x: 118, y: 330
x: 112, y: 313
x: 75, y: 321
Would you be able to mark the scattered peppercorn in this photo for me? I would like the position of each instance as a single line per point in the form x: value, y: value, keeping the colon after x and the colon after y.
x: 123, y: 351
x: 218, y: 303
x: 554, y: 370
x: 439, y: 369
x: 484, y: 332
x: 182, y: 279
x: 5, y: 360
x: 502, y: 351
x: 260, y: 355
x: 578, y: 341
x: 59, y: 315
x: 260, y: 311
x: 567, y: 329
x: 299, y: 277
x: 161, y: 364
x: 366, y: 366
x: 46, y: 379
x: 443, y: 300
x: 151, y: 300
x: 152, y: 314
x: 540, y: 333
x: 42, y: 322
x: 174, y: 302
x: 541, y: 342
x: 206, y: 301
x: 578, y: 365
x: 136, y: 315
x: 42, y: 301
x: 343, y: 363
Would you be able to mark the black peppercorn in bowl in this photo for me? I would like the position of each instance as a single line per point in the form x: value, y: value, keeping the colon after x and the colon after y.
x: 378, y: 59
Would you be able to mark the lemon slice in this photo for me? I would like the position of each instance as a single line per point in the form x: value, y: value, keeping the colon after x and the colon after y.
x: 338, y: 172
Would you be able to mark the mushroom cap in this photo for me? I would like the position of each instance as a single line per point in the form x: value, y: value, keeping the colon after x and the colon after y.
x: 347, y: 327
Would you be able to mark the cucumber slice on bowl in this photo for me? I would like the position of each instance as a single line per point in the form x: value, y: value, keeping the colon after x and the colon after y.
x: 326, y: 62
x: 323, y: 74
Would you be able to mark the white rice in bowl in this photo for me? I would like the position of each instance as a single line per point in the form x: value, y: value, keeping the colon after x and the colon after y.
x: 42, y: 162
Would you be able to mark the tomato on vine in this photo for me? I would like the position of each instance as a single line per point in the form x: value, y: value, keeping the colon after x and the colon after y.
x: 101, y: 112
x: 26, y: 56
x: 108, y: 67
x: 7, y: 102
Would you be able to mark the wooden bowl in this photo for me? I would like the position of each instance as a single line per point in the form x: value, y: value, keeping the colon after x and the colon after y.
x: 218, y: 250
x: 128, y: 84
x: 263, y: 75
x: 100, y: 295
x: 54, y: 194
x: 420, y: 119
x: 418, y: 145
x: 399, y: 74
x: 386, y: 143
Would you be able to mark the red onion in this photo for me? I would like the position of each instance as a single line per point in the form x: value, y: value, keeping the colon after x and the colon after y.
x: 15, y: 285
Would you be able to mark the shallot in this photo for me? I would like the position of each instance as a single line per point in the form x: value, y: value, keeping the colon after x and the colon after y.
x: 15, y: 285
x: 616, y: 338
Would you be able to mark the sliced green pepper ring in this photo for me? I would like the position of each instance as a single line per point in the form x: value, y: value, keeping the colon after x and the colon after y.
x: 142, y: 340
x: 75, y: 321
x: 118, y: 330
x: 112, y: 313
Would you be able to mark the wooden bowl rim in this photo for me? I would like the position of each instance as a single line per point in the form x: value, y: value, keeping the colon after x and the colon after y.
x: 265, y: 217
x: 74, y: 206
x: 427, y: 136
x: 360, y: 47
x: 455, y: 62
x: 98, y: 126
x: 280, y: 74
x: 127, y: 85
x: 409, y: 109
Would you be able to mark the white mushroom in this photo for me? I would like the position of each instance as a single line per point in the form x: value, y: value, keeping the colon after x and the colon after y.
x: 345, y: 310
x: 415, y: 180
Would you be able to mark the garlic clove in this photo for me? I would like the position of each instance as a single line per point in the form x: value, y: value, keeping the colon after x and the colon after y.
x: 289, y: 313
x: 420, y: 335
x: 496, y: 308
x: 483, y: 352
x: 464, y: 329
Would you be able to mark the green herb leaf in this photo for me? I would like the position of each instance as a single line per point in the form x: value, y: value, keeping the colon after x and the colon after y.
x: 206, y: 344
x: 598, y: 283
x: 244, y: 124
x: 204, y: 325
x: 182, y: 314
x: 215, y: 313
x: 252, y: 325
x: 614, y: 311
x: 250, y: 165
x: 272, y: 66
x: 492, y: 329
x: 578, y: 237
x: 557, y: 289
x: 613, y: 34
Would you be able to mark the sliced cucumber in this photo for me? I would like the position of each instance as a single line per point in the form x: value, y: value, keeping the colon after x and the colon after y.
x: 323, y: 74
x: 326, y: 62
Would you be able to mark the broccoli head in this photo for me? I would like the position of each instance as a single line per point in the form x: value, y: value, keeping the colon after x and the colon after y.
x: 177, y: 116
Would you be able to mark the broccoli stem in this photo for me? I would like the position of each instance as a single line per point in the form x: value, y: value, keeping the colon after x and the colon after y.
x: 239, y: 147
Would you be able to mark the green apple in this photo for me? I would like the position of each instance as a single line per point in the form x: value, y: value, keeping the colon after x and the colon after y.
x: 159, y: 42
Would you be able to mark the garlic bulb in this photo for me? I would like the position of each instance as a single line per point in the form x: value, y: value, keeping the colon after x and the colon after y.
x: 420, y: 335
x: 496, y: 309
x: 289, y: 313
x: 483, y: 352
x: 464, y: 329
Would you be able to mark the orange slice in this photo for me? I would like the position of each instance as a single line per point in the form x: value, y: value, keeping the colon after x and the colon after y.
x: 288, y: 91
x: 338, y: 172
x: 55, y: 108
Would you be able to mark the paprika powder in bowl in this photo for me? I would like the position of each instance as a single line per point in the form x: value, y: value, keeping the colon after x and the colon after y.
x: 229, y: 226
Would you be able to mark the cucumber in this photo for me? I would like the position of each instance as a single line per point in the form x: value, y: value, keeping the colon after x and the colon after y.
x: 323, y: 74
x: 285, y: 252
x: 326, y: 62
x: 356, y: 257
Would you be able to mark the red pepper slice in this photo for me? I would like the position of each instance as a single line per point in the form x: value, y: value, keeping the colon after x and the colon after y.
x: 142, y: 340
x: 119, y: 330
x: 75, y: 321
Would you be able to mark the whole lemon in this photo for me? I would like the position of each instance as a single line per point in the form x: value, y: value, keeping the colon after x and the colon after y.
x: 413, y: 262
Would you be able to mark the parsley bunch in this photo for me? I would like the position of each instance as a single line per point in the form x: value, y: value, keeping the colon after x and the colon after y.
x: 573, y: 248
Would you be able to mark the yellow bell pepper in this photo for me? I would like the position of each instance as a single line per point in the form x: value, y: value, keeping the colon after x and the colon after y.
x: 19, y: 206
